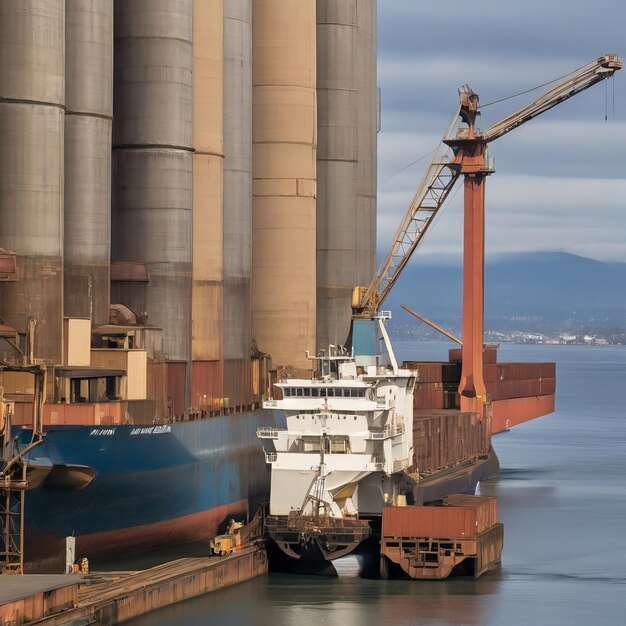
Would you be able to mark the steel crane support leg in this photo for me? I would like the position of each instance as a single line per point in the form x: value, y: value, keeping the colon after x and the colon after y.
x: 12, y: 494
x: 472, y: 387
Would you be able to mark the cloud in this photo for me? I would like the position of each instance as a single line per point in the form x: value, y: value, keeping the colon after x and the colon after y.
x: 560, y: 179
x: 584, y: 216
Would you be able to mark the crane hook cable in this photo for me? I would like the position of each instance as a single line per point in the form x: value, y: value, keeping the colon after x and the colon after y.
x: 406, y: 167
x: 521, y: 93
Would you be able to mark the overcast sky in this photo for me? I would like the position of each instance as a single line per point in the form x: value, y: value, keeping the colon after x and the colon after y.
x: 560, y: 181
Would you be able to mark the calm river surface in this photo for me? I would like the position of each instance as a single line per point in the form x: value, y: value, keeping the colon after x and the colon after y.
x: 562, y: 498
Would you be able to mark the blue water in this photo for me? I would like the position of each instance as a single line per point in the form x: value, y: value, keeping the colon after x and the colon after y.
x: 562, y: 498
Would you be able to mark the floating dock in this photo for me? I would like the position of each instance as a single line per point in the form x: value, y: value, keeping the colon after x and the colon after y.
x: 109, y: 599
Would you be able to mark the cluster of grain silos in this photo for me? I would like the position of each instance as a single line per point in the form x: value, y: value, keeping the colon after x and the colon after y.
x: 225, y: 147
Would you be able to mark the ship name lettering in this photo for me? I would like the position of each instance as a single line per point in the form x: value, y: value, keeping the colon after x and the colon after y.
x: 151, y: 430
x: 99, y: 432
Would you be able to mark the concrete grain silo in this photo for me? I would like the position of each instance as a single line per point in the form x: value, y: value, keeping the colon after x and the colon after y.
x: 237, y: 198
x: 367, y: 125
x: 284, y: 179
x: 338, y: 260
x: 32, y: 92
x: 88, y: 119
x: 152, y: 171
x: 208, y: 202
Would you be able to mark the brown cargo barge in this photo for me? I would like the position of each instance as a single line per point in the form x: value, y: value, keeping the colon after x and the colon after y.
x: 461, y: 534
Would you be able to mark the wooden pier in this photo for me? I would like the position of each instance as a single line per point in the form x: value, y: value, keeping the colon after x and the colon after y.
x: 107, y: 599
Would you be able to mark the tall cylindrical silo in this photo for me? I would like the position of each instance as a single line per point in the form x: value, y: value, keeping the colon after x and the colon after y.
x: 88, y: 120
x: 284, y: 179
x: 339, y: 262
x: 32, y: 92
x: 152, y: 163
x: 208, y: 163
x: 367, y: 118
x: 237, y: 199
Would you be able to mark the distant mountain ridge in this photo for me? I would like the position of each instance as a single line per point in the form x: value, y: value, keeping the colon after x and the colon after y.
x: 528, y: 291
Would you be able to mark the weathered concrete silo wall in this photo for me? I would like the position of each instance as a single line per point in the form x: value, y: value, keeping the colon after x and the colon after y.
x: 208, y: 203
x: 237, y: 198
x: 32, y: 43
x: 338, y: 244
x: 152, y: 162
x: 284, y: 179
x: 88, y: 120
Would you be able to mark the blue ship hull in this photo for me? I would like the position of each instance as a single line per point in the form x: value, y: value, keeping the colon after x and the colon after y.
x: 154, y: 485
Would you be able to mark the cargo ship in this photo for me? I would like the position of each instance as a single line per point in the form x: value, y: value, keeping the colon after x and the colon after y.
x: 152, y: 485
x: 110, y: 463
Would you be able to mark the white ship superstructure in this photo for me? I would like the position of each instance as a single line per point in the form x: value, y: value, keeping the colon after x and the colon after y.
x: 343, y: 453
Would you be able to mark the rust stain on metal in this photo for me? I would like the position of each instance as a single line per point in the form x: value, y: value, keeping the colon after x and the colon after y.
x: 129, y: 271
x: 428, y: 542
x: 8, y: 265
x: 207, y: 384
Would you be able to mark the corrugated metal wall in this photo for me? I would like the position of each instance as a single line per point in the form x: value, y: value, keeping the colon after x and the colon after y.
x: 88, y: 120
x: 32, y: 88
x: 284, y: 179
x: 463, y: 516
x: 237, y: 199
x: 445, y: 438
x: 152, y: 162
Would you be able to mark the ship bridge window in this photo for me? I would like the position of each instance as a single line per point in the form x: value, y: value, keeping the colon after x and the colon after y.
x: 314, y: 392
x: 307, y: 392
x: 299, y: 392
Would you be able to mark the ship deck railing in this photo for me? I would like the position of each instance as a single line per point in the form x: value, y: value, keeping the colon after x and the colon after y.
x: 375, y: 465
x: 271, y: 457
x: 266, y: 432
x: 391, y: 430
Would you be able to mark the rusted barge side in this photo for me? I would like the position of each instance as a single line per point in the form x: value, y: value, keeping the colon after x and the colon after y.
x: 429, y: 542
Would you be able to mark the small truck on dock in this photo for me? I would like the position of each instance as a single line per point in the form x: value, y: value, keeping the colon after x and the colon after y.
x: 229, y: 542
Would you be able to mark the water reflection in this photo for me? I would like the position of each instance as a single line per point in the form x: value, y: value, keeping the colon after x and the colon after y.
x: 347, y: 601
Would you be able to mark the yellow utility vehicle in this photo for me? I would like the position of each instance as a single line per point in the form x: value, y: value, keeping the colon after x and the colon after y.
x: 229, y: 542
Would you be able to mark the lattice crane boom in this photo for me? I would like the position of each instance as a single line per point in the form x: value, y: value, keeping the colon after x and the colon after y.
x: 434, y: 188
x: 600, y: 69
